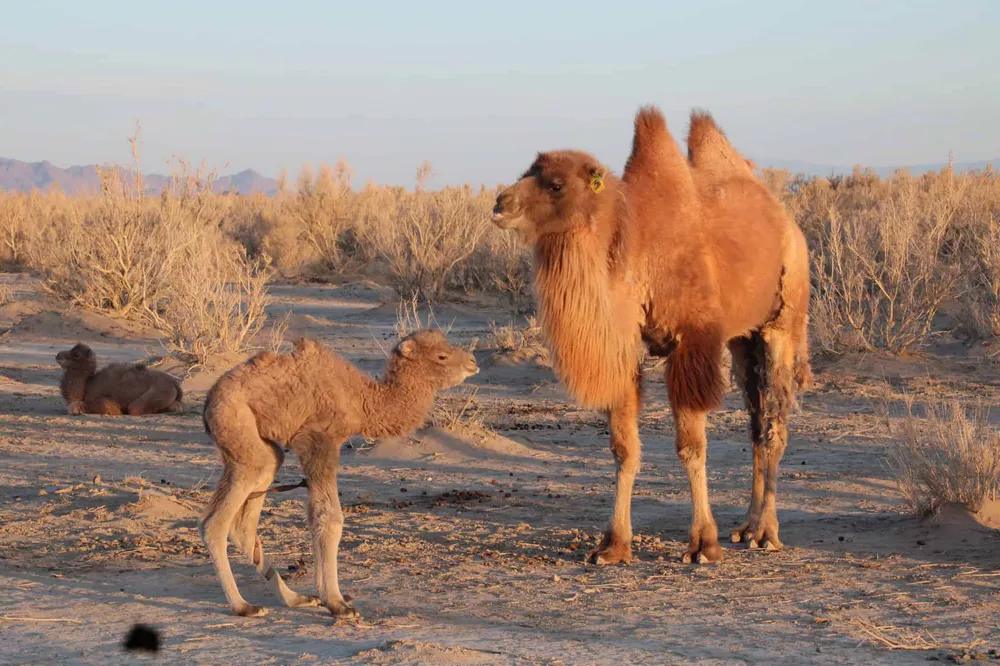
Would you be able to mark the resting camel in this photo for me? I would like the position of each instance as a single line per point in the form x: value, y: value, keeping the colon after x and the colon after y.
x: 311, y: 400
x: 117, y: 389
x: 687, y: 255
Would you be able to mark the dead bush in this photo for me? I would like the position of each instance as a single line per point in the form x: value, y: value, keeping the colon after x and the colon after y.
x: 426, y: 238
x: 881, y: 264
x: 161, y: 259
x: 952, y: 455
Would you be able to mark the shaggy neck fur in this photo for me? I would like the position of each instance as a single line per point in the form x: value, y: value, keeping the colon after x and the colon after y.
x: 398, y: 404
x: 579, y: 284
x: 73, y: 385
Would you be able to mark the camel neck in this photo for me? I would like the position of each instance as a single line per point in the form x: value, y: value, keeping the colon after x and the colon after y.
x: 73, y: 385
x: 398, y: 406
x: 590, y: 323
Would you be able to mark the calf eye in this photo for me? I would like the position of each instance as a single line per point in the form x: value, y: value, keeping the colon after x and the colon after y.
x: 556, y: 186
x: 443, y: 357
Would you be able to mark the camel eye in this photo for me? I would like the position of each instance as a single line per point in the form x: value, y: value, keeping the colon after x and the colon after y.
x: 555, y: 186
x: 442, y: 357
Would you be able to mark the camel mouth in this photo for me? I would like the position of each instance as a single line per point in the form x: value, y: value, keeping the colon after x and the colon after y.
x: 504, y: 220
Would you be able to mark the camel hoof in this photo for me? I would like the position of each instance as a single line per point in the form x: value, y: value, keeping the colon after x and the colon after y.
x: 342, y: 609
x: 707, y: 554
x: 305, y: 601
x: 613, y: 553
x: 250, y: 610
x: 766, y: 543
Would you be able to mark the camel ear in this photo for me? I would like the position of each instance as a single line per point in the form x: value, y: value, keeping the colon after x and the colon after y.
x: 407, y: 348
x: 596, y: 180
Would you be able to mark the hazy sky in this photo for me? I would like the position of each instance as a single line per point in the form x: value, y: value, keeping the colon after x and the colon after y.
x: 477, y: 87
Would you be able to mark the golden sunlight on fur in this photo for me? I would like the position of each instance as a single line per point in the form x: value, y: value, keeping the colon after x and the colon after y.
x: 688, y: 255
x: 310, y: 401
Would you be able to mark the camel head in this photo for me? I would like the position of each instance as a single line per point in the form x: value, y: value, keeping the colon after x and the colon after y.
x: 562, y: 190
x: 79, y: 356
x: 427, y: 354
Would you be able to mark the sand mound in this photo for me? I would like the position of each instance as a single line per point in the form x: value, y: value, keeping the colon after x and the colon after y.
x: 445, y: 446
x: 409, y: 651
x: 154, y: 506
x: 79, y: 326
x: 955, y: 515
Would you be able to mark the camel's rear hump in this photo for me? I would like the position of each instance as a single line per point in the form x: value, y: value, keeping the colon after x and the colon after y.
x: 710, y: 152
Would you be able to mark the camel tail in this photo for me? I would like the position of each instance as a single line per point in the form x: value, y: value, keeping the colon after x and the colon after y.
x: 710, y: 151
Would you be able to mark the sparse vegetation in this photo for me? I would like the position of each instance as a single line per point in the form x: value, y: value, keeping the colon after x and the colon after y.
x: 889, y: 255
x: 952, y: 456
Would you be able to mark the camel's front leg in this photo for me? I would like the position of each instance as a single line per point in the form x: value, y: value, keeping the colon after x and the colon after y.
x: 692, y: 449
x: 623, y: 421
x: 326, y: 522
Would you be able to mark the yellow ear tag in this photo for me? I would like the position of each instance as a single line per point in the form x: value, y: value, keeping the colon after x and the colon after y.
x: 596, y: 182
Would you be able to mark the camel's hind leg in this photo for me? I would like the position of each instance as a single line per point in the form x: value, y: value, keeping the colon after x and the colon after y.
x: 250, y: 465
x: 151, y: 402
x: 103, y: 406
x: 749, y: 370
x: 623, y: 422
x: 779, y: 398
x: 244, y: 535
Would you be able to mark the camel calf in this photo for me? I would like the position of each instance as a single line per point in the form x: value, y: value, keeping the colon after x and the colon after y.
x: 311, y: 400
x: 119, y: 388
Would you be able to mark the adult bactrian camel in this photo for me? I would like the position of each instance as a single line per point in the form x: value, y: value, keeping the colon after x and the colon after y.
x: 687, y: 255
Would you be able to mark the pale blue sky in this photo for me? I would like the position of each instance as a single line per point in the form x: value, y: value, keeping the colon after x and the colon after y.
x: 477, y: 88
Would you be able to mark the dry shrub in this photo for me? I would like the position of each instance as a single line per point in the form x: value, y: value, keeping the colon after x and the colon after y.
x: 881, y: 263
x: 509, y: 338
x: 889, y: 254
x: 13, y: 220
x: 164, y: 260
x: 951, y: 456
x: 427, y: 236
x: 220, y: 308
x: 501, y: 264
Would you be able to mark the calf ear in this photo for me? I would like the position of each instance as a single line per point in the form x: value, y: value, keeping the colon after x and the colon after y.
x: 407, y: 348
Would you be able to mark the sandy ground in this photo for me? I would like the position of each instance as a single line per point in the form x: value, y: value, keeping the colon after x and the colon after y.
x: 465, y: 543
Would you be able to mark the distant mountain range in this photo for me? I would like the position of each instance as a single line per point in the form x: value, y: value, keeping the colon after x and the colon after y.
x: 26, y: 176
x: 810, y: 169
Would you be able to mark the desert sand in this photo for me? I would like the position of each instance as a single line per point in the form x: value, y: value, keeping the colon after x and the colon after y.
x: 465, y: 543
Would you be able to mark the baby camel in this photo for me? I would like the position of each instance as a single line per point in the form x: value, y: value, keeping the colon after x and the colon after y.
x: 119, y: 388
x: 310, y: 400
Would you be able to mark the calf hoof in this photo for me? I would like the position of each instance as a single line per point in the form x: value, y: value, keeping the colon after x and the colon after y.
x: 250, y: 610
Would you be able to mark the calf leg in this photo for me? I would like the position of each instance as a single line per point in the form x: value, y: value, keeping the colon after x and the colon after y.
x: 244, y: 535
x: 228, y: 501
x: 320, y: 454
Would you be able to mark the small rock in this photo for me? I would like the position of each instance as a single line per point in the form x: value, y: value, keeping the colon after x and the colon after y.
x: 42, y: 492
x: 840, y: 538
x: 921, y: 543
x: 555, y: 578
x: 818, y: 649
x: 402, y: 490
x: 97, y: 480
